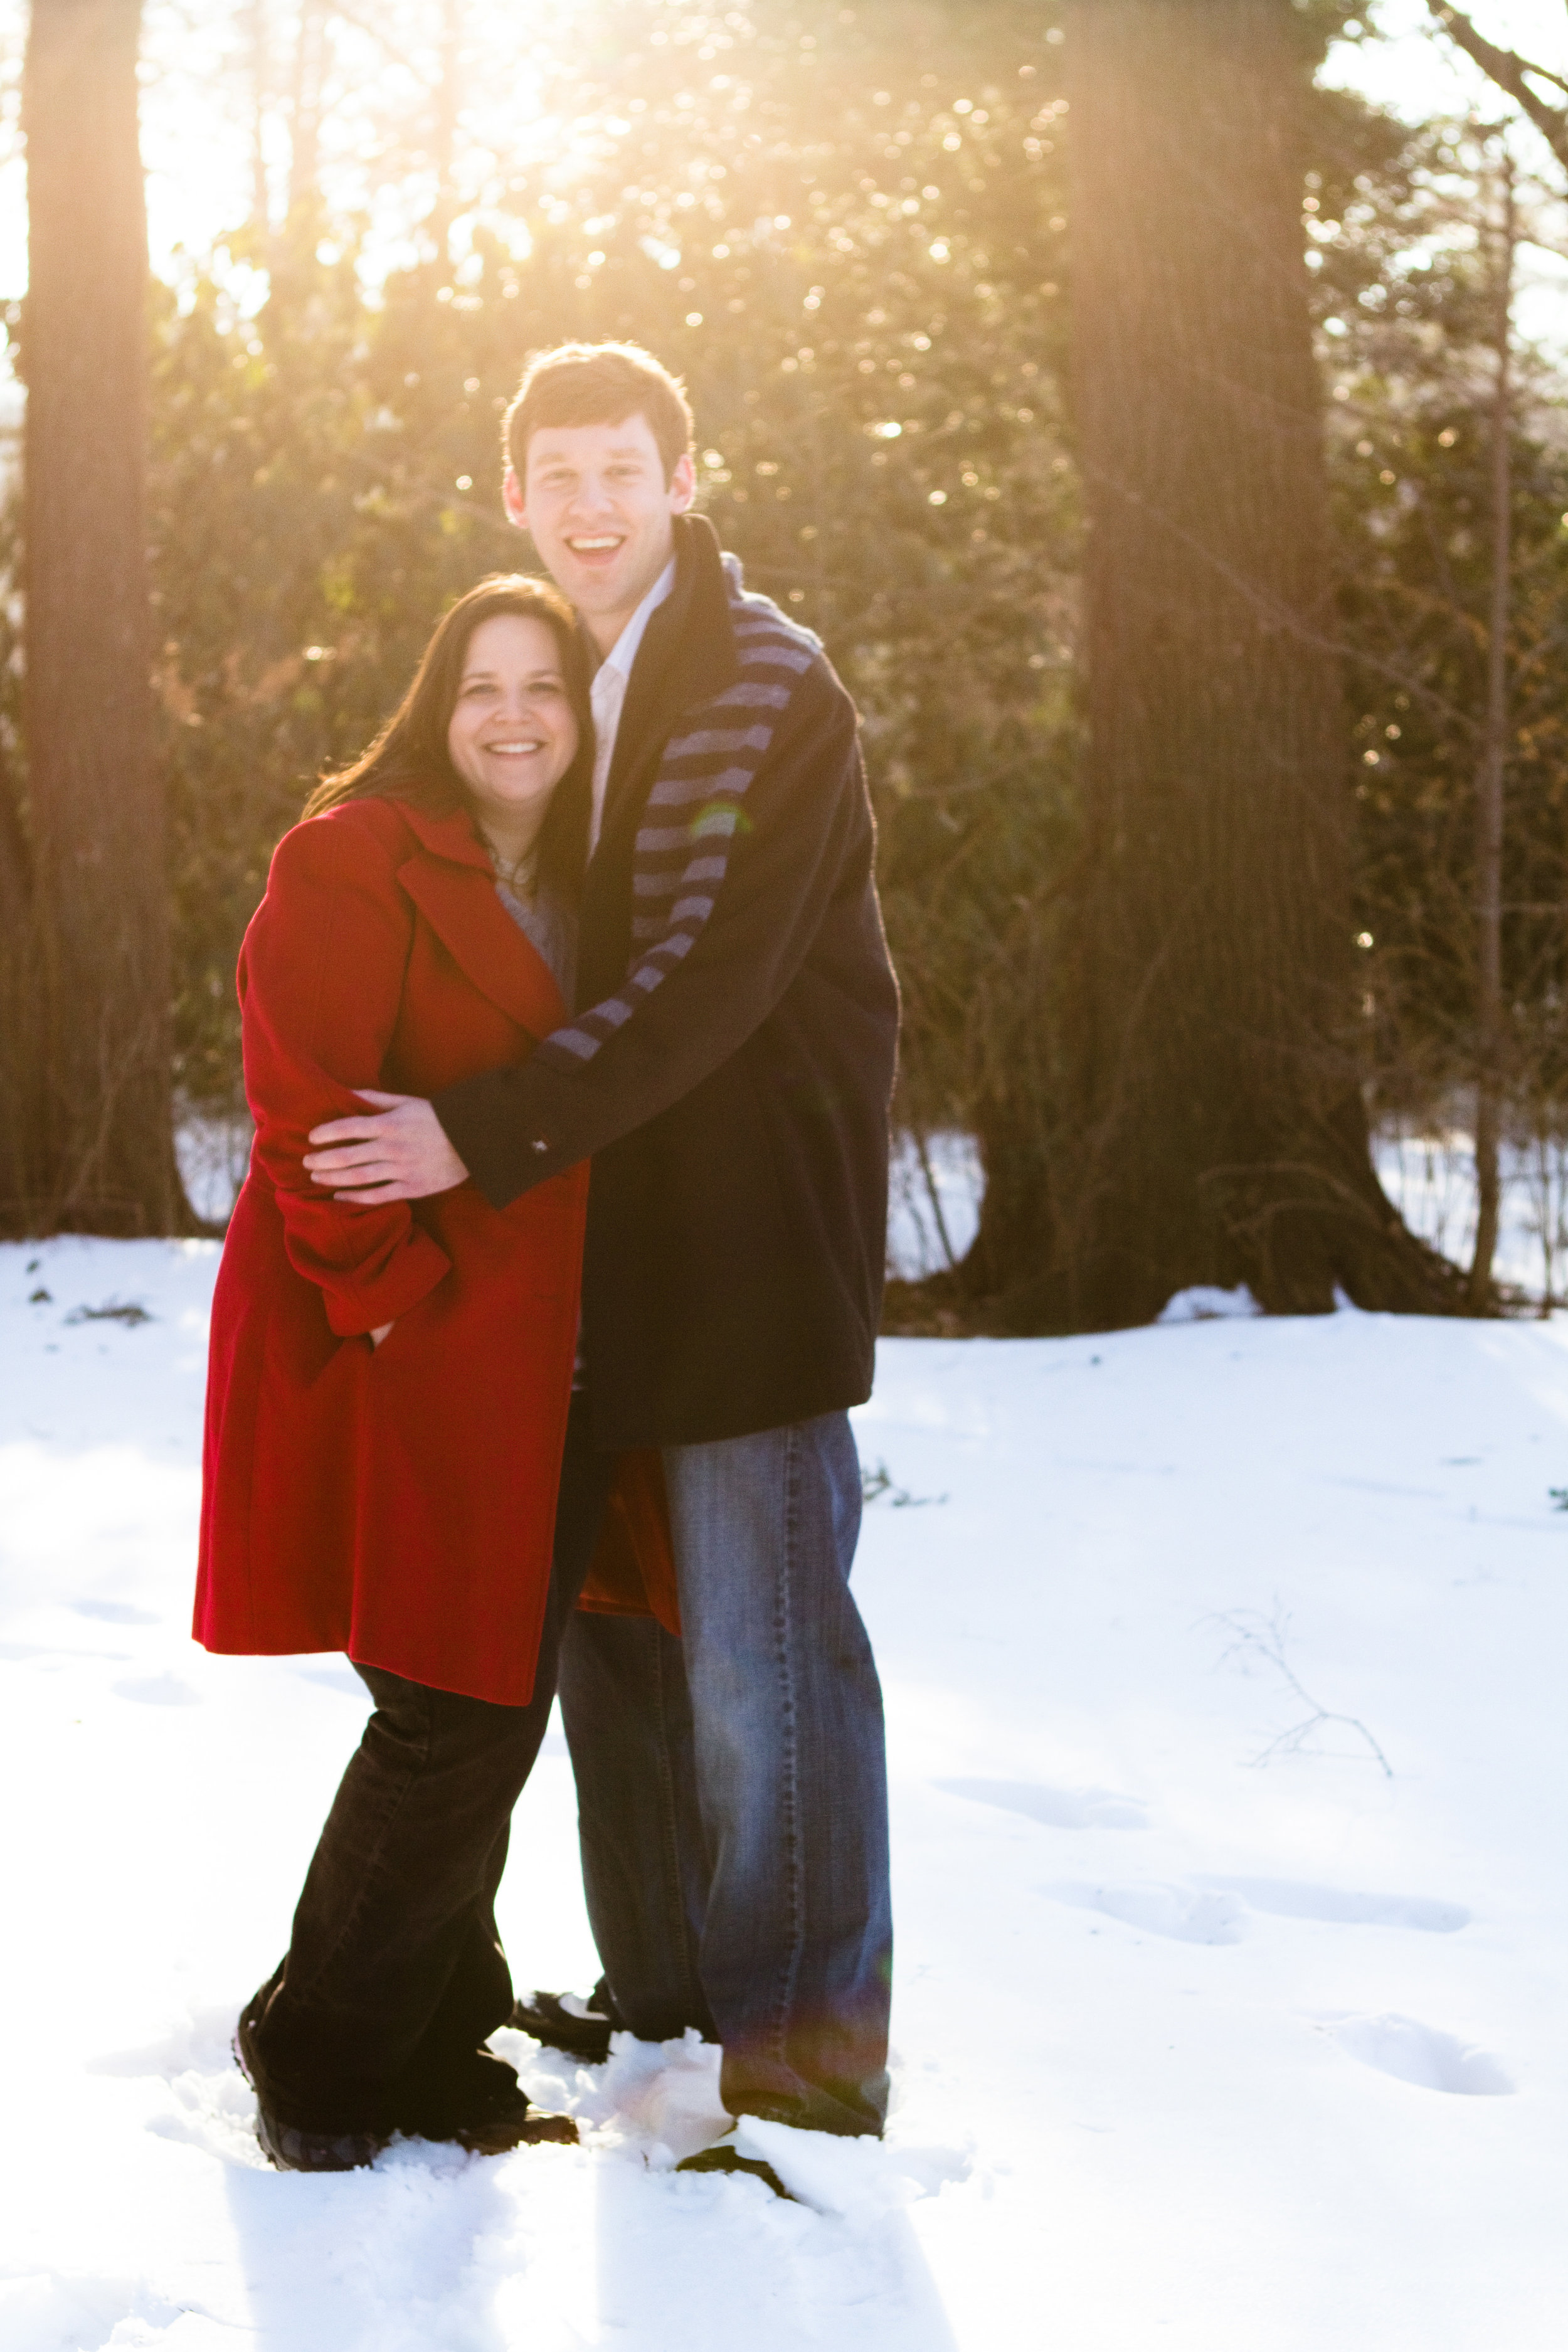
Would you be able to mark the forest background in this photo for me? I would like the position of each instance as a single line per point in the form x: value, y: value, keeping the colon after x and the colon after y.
x: 852, y: 231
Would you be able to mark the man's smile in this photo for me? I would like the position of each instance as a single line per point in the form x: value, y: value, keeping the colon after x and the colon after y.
x: 601, y: 501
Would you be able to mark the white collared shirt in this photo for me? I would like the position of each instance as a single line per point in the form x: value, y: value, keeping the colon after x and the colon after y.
x: 608, y: 693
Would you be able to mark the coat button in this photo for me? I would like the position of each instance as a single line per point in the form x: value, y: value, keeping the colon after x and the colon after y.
x: 540, y: 1144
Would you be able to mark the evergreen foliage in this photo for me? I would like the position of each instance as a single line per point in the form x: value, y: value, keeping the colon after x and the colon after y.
x: 848, y: 228
x: 859, y: 302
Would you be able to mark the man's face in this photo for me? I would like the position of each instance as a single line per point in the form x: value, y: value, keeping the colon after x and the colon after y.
x: 601, y: 511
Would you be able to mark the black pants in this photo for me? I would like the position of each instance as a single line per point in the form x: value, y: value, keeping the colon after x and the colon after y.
x: 394, y: 1974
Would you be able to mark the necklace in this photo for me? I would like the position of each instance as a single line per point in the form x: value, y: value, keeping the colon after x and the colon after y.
x: 520, y: 875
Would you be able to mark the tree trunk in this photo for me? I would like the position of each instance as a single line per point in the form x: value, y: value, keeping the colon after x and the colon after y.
x: 260, y: 75
x: 1217, y: 1129
x: 1489, y: 1038
x: 94, y: 793
x: 444, y: 145
x: 21, y: 1119
x: 305, y: 106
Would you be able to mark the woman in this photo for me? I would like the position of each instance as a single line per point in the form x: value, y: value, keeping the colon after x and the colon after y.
x: 390, y: 1385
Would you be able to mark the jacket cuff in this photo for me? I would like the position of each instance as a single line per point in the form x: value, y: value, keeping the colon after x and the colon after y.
x: 504, y: 1126
x: 355, y: 1308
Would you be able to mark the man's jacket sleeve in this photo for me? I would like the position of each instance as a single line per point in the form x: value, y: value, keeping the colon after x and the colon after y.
x: 513, y: 1127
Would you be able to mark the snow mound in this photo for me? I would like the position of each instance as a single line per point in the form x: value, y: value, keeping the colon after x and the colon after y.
x: 1204, y: 1304
x: 858, y: 2178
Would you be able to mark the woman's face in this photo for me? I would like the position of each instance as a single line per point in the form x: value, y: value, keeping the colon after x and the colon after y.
x: 513, y: 734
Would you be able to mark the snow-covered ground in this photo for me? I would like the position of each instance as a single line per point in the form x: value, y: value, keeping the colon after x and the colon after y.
x: 1225, y: 1664
x: 1427, y: 1172
x: 1430, y: 1177
x: 935, y: 1193
x: 933, y: 1203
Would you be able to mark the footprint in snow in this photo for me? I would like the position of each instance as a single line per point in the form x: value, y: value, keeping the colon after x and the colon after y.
x: 159, y: 1690
x: 1289, y: 1898
x: 335, y: 1679
x: 1059, y: 1809
x: 1206, y: 1916
x: 1416, y: 2053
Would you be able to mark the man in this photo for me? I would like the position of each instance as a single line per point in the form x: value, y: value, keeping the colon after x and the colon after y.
x: 728, y: 1071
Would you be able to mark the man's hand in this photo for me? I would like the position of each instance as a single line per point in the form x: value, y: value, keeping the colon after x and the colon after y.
x: 401, y: 1155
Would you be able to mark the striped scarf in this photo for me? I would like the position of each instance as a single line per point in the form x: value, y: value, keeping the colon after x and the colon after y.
x: 696, y: 812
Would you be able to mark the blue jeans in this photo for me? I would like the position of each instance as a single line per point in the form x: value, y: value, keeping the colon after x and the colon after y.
x: 731, y: 1786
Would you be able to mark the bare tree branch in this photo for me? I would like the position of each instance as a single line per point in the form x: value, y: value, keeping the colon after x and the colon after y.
x: 368, y: 25
x: 1508, y: 70
x: 1257, y: 1636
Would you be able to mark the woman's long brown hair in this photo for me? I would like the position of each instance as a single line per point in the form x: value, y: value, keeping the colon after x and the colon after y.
x: 409, y: 761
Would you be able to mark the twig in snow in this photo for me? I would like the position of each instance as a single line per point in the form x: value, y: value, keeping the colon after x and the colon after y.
x: 1256, y: 1636
x: 874, y: 1483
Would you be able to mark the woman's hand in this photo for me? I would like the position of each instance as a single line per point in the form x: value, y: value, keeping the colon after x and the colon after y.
x: 402, y: 1154
x: 378, y: 1334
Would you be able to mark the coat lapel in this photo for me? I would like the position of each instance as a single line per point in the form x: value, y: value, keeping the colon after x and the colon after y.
x: 686, y: 657
x: 449, y: 881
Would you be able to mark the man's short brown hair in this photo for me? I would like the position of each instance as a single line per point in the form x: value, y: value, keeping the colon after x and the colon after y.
x: 599, y: 384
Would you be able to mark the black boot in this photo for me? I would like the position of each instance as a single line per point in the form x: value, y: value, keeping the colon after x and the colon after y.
x: 478, y: 2105
x: 291, y: 2148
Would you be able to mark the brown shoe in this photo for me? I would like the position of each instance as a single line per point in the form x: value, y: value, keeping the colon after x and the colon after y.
x: 526, y: 2127
x: 565, y: 2021
x: 725, y: 2157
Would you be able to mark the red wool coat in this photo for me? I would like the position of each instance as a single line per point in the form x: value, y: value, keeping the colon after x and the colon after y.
x: 398, y: 1502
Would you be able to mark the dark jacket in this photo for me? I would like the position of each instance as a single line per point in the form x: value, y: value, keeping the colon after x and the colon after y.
x: 731, y: 1065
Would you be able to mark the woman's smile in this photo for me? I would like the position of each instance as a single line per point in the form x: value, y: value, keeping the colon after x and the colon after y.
x: 513, y: 733
x: 514, y: 751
